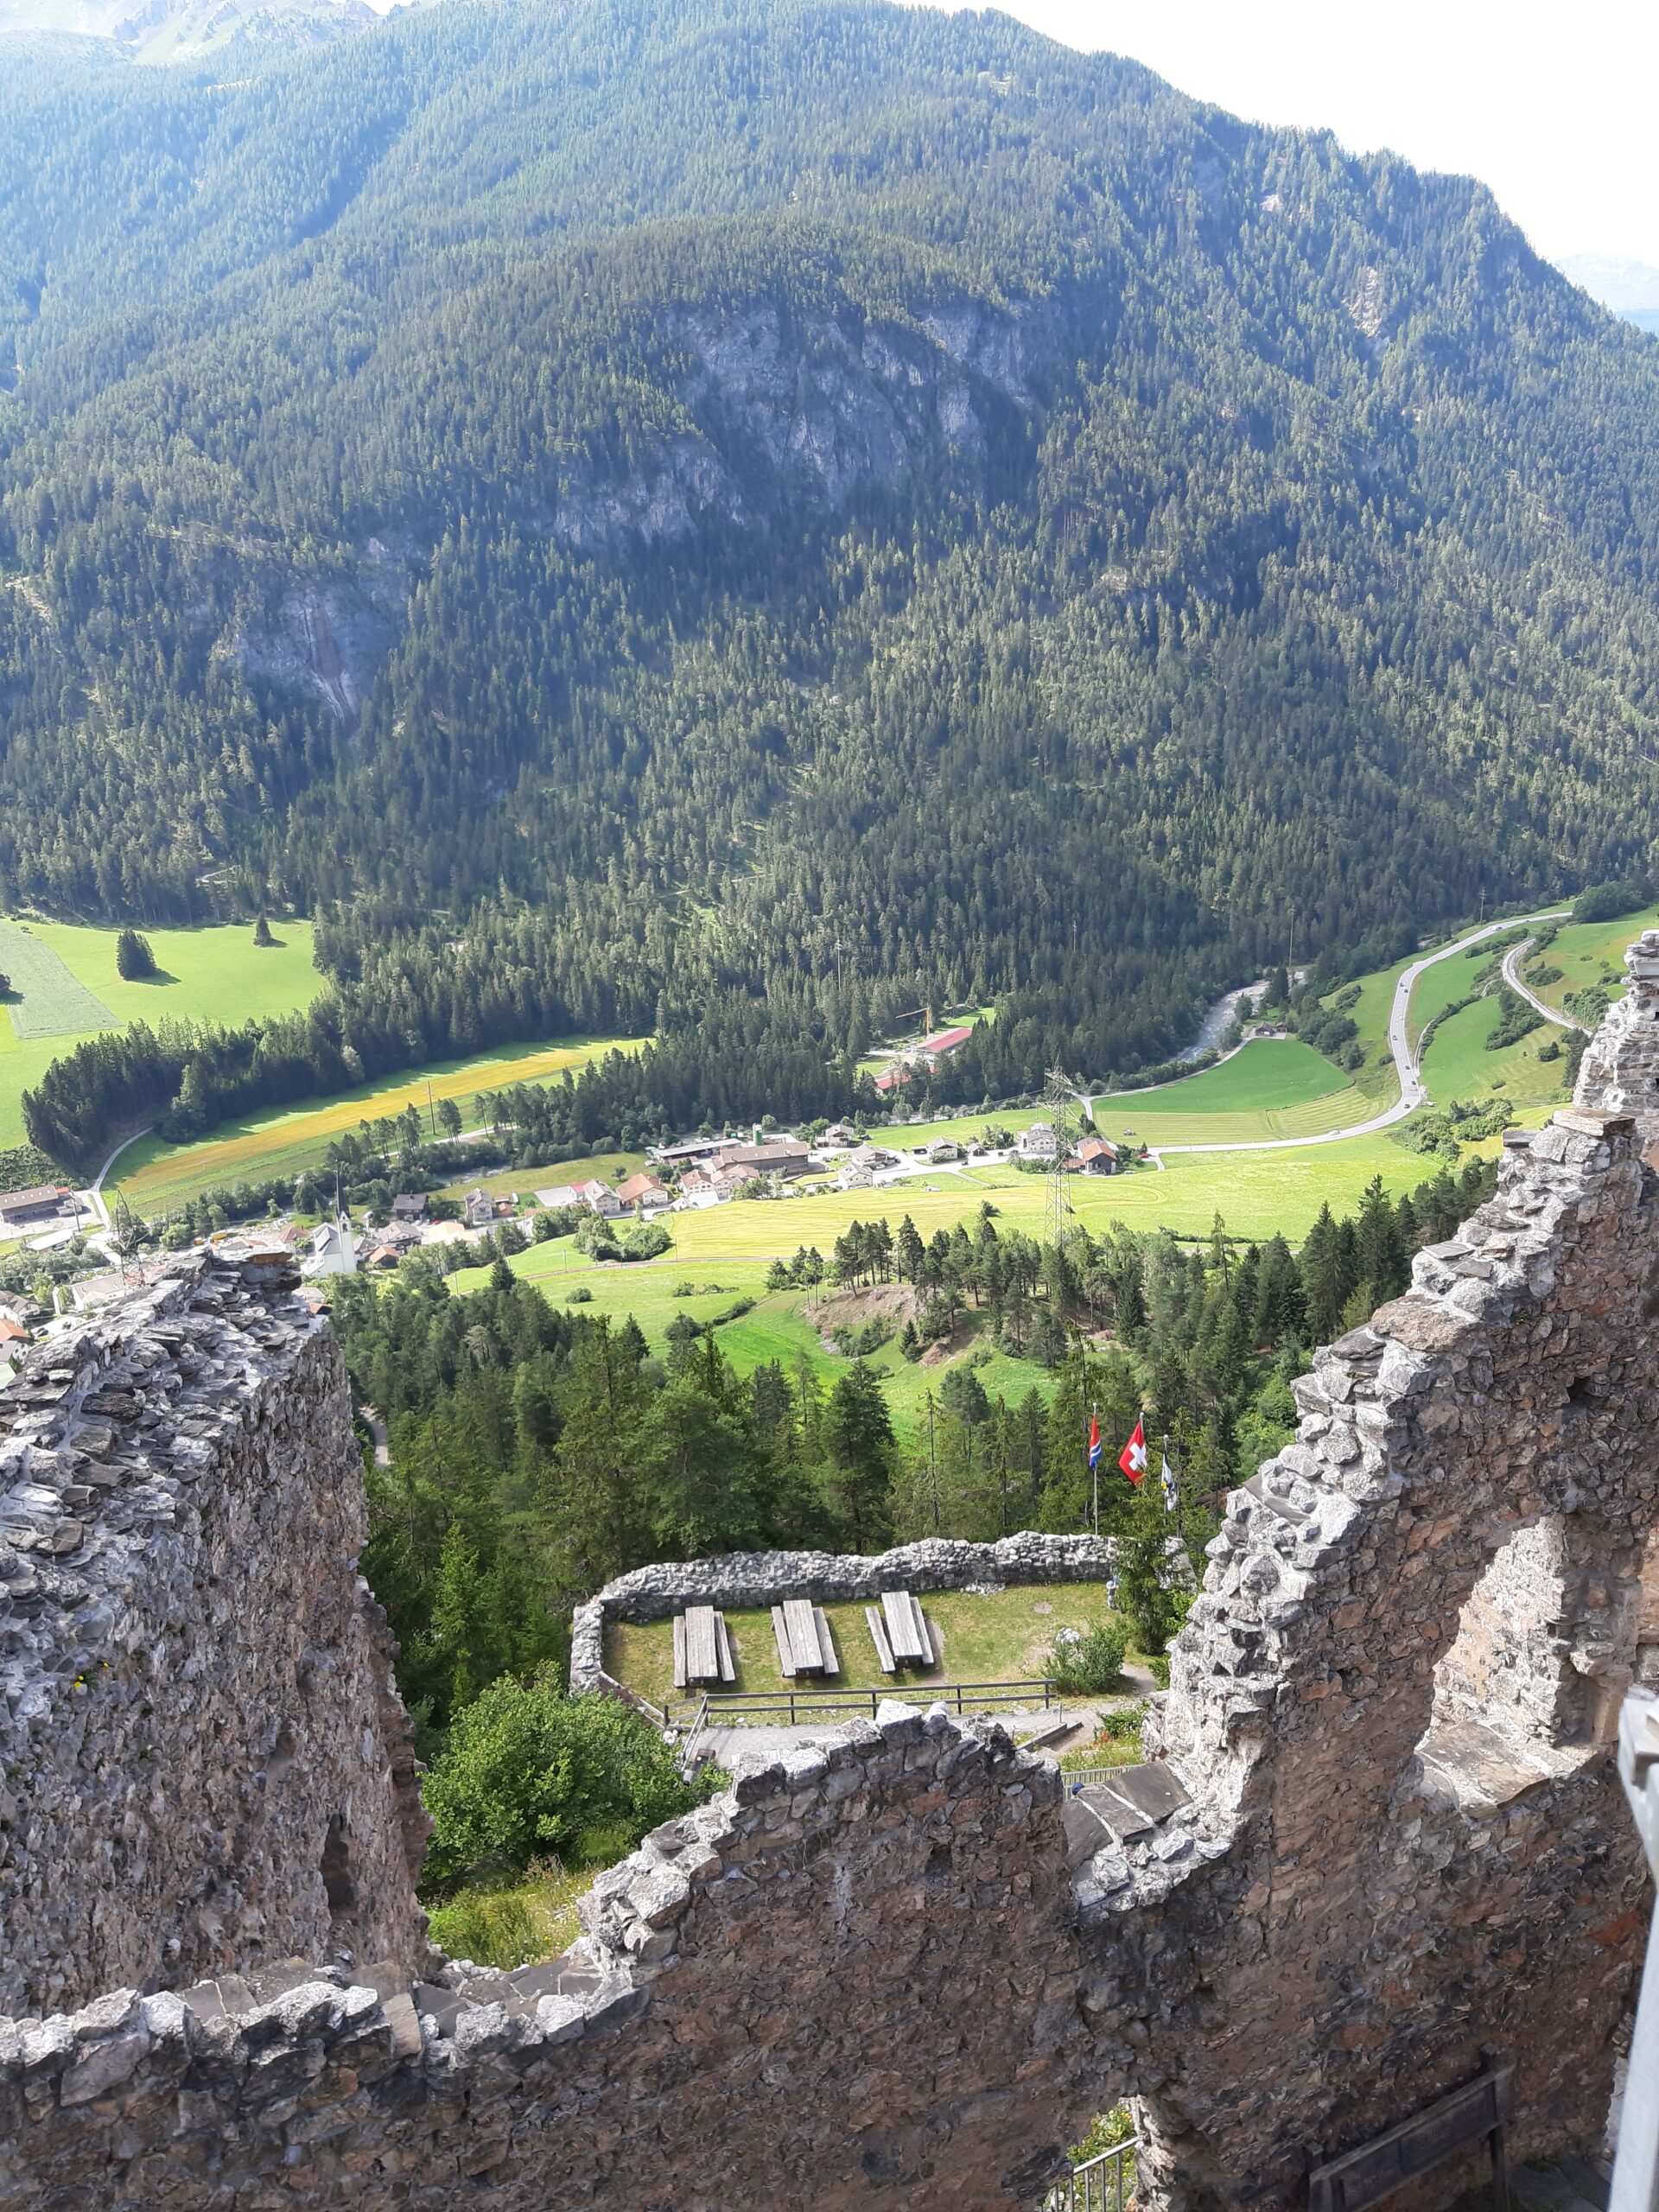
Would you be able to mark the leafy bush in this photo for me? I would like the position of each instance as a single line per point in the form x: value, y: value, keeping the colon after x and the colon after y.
x: 527, y: 1769
x: 1085, y: 1664
x: 861, y: 1342
x: 646, y: 1241
x: 1516, y: 1019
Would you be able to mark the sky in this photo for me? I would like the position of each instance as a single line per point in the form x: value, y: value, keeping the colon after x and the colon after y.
x: 1551, y: 106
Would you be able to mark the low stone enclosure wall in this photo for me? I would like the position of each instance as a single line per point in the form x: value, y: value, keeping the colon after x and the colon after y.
x: 1380, y: 1833
x: 736, y: 1579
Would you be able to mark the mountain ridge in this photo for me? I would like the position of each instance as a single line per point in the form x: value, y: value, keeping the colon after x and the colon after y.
x: 593, y: 376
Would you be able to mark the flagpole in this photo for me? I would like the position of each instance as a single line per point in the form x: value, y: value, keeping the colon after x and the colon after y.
x: 1094, y: 1416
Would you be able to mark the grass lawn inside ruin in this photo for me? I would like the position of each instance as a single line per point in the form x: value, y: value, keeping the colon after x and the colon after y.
x: 997, y: 1637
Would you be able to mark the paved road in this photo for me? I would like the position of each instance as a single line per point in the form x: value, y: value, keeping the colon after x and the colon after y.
x: 94, y: 1194
x: 1512, y: 960
x: 1406, y: 1065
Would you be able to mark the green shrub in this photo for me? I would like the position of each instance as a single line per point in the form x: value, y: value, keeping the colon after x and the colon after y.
x: 491, y: 1929
x: 526, y: 1770
x: 1088, y: 1665
x: 646, y: 1241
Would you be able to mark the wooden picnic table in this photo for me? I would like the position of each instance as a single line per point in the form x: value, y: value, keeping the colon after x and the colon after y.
x: 703, y: 1649
x: 804, y: 1644
x: 907, y: 1632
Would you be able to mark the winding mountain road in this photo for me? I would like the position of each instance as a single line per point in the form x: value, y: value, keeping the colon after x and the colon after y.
x: 1512, y: 960
x: 1407, y: 1065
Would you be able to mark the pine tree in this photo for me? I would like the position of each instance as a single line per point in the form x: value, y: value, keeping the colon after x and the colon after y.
x: 135, y: 962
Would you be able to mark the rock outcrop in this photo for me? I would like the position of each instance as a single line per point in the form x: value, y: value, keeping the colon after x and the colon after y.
x: 204, y: 1761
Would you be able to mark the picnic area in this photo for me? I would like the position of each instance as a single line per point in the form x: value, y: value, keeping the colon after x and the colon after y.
x: 903, y: 1639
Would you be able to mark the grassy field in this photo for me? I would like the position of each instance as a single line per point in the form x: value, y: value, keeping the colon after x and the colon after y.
x: 1256, y: 1194
x: 501, y: 1182
x: 1594, y: 952
x: 1445, y: 984
x: 1003, y: 1636
x: 155, y: 1176
x: 70, y: 991
x: 1274, y: 1087
x: 1459, y: 1065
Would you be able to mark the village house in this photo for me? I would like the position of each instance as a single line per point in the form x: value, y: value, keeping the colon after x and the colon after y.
x: 923, y: 1058
x: 476, y: 1208
x: 939, y: 1154
x: 560, y: 1197
x: 599, y: 1198
x: 17, y: 1307
x: 12, y: 1332
x: 383, y: 1257
x: 786, y: 1157
x: 642, y: 1190
x: 411, y: 1205
x: 839, y: 1133
x: 861, y: 1168
x: 699, y: 1188
x: 1038, y: 1142
x: 334, y: 1251
x: 400, y: 1235
x: 1095, y: 1156
x: 690, y: 1151
x: 42, y: 1202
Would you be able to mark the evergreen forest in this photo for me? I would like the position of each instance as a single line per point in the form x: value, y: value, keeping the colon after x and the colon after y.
x: 732, y: 522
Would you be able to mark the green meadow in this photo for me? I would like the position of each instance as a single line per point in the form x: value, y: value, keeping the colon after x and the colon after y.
x: 66, y: 989
x: 155, y: 1176
x: 1592, y: 952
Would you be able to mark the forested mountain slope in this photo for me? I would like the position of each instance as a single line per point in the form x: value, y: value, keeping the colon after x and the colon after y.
x: 822, y: 505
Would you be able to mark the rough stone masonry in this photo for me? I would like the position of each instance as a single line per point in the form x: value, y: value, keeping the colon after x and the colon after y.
x: 1378, y: 1831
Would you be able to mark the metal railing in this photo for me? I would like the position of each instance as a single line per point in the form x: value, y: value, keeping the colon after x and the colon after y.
x: 1079, y: 1777
x: 1103, y: 2183
x: 780, y: 1706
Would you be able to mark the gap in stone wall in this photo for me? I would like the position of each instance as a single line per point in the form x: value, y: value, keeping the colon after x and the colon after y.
x: 1527, y: 1689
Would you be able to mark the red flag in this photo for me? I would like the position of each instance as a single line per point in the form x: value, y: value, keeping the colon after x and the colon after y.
x: 1094, y: 1444
x: 1133, y: 1458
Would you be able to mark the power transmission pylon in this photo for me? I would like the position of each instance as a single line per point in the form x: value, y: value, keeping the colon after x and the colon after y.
x: 1060, y: 1104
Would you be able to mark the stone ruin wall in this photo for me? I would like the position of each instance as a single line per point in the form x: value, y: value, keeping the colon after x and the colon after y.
x: 737, y: 1580
x: 203, y: 1759
x: 902, y: 1970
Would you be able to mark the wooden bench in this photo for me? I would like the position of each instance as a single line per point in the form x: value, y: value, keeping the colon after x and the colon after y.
x: 780, y: 1636
x: 907, y: 1632
x: 879, y: 1637
x: 703, y: 1649
x: 826, y: 1642
x: 803, y: 1629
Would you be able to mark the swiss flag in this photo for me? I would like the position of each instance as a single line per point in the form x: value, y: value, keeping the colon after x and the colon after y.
x: 1133, y: 1458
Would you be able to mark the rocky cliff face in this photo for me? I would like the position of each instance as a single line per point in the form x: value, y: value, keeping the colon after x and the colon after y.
x: 784, y: 412
x: 809, y: 410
